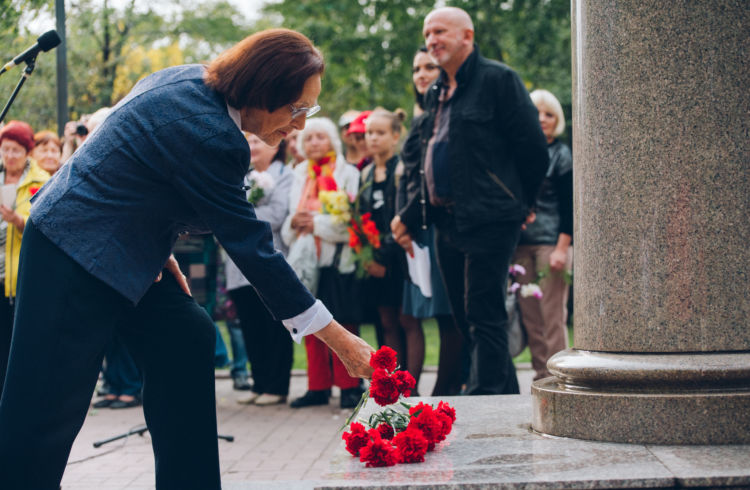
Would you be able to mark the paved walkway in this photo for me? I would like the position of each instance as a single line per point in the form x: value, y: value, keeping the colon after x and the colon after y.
x: 274, y: 447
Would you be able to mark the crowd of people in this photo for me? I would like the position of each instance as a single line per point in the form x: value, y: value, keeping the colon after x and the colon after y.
x: 480, y: 181
x: 366, y: 152
x: 410, y: 188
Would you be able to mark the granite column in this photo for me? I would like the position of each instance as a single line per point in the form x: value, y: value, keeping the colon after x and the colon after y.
x: 662, y: 227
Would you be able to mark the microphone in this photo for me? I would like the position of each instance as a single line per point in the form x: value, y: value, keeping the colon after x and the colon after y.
x: 44, y: 43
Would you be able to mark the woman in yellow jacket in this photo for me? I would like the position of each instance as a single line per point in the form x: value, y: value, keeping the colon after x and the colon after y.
x: 16, y: 141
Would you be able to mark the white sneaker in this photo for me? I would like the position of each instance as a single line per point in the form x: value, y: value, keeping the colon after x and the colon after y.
x: 269, y: 399
x: 249, y: 399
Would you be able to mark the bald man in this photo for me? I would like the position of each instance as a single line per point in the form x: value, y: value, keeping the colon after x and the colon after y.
x: 482, y: 158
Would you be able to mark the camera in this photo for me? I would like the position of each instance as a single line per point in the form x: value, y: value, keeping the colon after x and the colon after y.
x: 81, y: 129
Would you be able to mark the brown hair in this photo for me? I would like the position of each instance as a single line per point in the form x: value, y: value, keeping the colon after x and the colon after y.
x: 396, y: 118
x: 266, y: 70
x: 44, y: 137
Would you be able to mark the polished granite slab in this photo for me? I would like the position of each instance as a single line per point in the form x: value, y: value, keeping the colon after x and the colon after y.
x: 493, y: 446
x: 706, y: 466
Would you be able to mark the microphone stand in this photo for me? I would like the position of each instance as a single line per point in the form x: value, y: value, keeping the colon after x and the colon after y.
x: 30, y: 65
x: 140, y: 430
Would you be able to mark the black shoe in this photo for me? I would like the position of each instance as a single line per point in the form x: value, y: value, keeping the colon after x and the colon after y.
x: 350, y: 397
x: 104, y: 403
x: 311, y: 398
x: 240, y: 382
x: 123, y: 404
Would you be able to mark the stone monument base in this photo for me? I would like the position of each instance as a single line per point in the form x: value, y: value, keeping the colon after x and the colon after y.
x: 493, y: 446
x: 700, y: 398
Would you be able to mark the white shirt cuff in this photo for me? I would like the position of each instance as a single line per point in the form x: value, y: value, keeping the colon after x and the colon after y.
x: 309, y: 321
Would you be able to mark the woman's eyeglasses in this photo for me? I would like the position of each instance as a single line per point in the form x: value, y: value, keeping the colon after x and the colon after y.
x: 307, y: 111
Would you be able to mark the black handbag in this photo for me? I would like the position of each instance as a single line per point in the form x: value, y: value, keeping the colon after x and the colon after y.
x: 340, y: 293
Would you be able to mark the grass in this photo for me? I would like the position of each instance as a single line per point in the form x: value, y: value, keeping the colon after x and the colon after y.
x: 367, y: 332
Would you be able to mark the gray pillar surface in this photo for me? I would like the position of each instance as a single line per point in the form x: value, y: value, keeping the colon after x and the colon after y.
x: 662, y: 227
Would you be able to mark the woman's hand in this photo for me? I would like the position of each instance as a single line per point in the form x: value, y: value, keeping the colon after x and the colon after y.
x: 302, y: 222
x: 12, y: 218
x: 401, y: 235
x: 529, y: 219
x: 69, y: 133
x: 375, y: 269
x: 173, y: 267
x: 352, y: 350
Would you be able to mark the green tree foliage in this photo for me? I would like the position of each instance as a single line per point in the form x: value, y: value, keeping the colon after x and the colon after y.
x: 96, y: 41
x: 11, y: 12
x: 369, y: 44
x: 13, y: 40
x: 111, y: 45
x: 532, y: 36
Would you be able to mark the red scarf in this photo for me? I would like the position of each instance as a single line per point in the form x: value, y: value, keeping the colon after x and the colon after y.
x: 319, y: 178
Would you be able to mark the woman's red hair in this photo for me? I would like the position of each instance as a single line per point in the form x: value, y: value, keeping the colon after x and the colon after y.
x: 266, y: 70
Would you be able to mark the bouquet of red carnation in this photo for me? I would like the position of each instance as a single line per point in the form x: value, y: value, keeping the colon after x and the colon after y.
x: 395, y: 436
x: 364, y: 236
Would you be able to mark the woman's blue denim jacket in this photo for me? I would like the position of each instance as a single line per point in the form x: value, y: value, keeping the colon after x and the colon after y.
x: 167, y: 160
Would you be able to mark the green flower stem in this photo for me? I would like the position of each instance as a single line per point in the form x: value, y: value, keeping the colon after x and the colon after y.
x: 360, y: 406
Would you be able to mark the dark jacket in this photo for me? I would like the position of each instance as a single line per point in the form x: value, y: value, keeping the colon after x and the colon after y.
x: 554, y: 203
x: 497, y: 150
x: 389, y: 252
x: 168, y: 159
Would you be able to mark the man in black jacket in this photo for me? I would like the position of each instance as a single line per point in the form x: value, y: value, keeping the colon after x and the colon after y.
x: 474, y: 165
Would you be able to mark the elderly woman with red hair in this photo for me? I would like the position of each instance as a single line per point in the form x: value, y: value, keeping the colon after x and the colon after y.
x: 21, y: 178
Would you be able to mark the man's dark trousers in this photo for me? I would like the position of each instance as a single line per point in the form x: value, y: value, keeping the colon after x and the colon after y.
x: 475, y: 269
x: 66, y: 317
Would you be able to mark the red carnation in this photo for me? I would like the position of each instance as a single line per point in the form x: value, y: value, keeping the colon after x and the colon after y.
x: 405, y: 382
x: 384, y: 358
x: 379, y: 452
x: 383, y: 388
x: 446, y: 425
x: 447, y: 409
x: 356, y: 439
x: 317, y: 170
x: 424, y: 419
x: 411, y: 444
x: 327, y: 183
x: 418, y: 408
x: 385, y: 430
x: 370, y: 229
x: 354, y: 241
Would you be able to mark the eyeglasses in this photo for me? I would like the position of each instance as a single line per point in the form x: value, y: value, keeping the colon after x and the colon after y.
x: 13, y: 151
x: 308, y: 111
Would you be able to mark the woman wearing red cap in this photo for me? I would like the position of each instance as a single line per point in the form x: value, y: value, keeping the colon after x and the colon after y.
x: 20, y: 178
x: 357, y: 131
